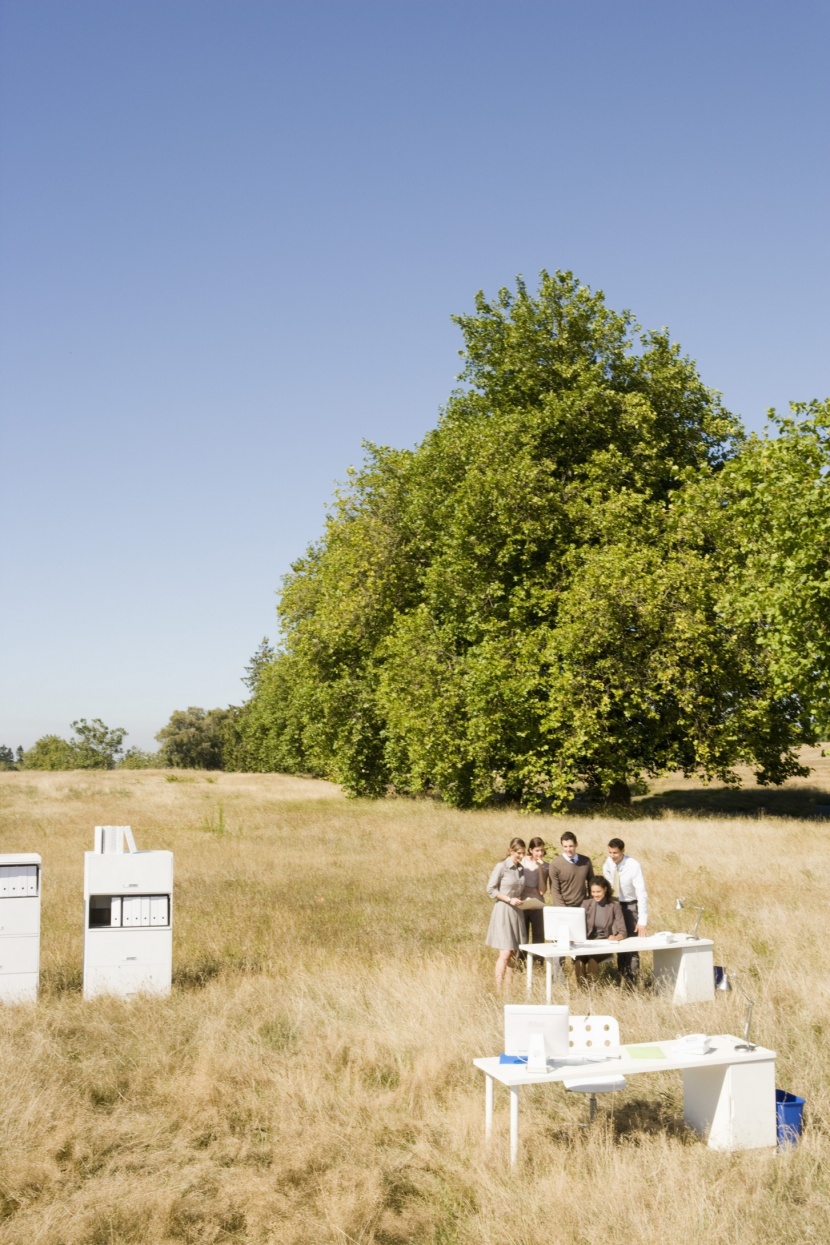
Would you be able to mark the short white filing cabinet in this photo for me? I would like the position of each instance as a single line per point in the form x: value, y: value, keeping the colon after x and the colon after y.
x: 128, y: 906
x: 19, y: 927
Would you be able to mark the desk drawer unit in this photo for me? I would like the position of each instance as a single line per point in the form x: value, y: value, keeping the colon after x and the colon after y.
x: 685, y: 973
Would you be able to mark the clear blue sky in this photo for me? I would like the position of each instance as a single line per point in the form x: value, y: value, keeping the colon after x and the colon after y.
x: 232, y: 237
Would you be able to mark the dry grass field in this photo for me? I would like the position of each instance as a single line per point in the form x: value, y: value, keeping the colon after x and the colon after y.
x: 310, y: 1080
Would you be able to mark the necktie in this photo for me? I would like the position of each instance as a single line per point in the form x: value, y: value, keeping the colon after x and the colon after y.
x: 616, y: 887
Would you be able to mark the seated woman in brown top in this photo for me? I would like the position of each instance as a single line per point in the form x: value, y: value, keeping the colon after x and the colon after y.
x: 603, y: 919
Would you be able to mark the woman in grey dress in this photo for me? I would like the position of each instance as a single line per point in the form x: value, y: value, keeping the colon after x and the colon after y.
x: 507, y: 927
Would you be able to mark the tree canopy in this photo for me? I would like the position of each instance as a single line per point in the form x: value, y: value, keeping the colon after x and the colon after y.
x: 95, y: 746
x: 567, y: 582
x: 194, y: 738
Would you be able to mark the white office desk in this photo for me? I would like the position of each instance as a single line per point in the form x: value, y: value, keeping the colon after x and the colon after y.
x: 728, y: 1095
x: 683, y: 969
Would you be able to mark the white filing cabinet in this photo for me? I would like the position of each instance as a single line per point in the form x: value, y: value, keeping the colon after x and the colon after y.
x: 128, y: 917
x: 19, y: 927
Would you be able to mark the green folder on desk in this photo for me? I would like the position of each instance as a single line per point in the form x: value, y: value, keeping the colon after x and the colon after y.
x: 645, y: 1052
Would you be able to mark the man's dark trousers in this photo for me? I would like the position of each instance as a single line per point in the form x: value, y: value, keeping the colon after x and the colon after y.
x: 628, y: 962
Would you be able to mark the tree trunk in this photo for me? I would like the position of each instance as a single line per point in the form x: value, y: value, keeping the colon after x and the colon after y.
x: 619, y: 793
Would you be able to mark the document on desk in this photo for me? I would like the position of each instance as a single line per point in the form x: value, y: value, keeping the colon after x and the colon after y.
x: 645, y: 1052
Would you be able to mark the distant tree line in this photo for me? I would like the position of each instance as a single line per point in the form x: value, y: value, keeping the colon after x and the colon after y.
x: 586, y: 573
x: 194, y: 738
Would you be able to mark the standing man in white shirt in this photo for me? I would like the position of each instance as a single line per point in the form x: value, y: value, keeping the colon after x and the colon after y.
x: 629, y: 886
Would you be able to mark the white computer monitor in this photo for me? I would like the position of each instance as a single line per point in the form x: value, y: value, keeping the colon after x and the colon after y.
x: 522, y: 1019
x: 574, y: 918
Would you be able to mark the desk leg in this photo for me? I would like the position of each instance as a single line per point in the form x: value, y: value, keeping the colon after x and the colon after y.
x: 529, y: 971
x: 488, y: 1107
x: 548, y: 979
x: 734, y: 1107
x: 514, y: 1124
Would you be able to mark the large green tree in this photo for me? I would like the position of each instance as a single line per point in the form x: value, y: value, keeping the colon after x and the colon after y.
x: 536, y: 596
x: 770, y: 509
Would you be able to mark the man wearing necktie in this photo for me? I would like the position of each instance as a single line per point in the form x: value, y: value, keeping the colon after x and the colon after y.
x: 570, y: 875
x: 629, y: 886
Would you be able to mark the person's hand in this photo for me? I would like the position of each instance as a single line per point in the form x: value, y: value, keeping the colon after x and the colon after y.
x: 642, y: 931
x: 515, y: 903
x: 615, y: 937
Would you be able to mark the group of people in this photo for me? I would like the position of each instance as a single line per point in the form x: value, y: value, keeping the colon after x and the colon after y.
x: 615, y: 902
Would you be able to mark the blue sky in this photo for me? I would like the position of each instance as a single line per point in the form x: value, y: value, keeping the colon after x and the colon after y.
x: 232, y: 236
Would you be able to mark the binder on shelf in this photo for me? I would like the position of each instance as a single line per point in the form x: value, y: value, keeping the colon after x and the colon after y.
x: 158, y: 910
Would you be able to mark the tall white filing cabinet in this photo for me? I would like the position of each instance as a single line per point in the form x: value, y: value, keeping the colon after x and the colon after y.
x: 19, y: 927
x: 128, y: 927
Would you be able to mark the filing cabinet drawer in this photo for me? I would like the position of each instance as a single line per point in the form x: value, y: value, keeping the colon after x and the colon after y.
x: 20, y: 916
x: 19, y: 955
x: 109, y: 947
x: 126, y: 980
x: 18, y: 987
x: 143, y: 873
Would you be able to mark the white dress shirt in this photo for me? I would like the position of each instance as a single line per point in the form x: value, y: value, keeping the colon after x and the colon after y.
x: 632, y: 884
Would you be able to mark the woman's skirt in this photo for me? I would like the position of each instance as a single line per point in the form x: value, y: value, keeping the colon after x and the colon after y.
x: 507, y: 929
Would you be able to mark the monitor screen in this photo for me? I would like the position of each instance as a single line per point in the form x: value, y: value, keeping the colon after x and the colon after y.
x: 522, y: 1019
x: 574, y: 918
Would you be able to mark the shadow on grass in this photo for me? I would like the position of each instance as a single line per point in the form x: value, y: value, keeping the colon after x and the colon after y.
x: 195, y: 976
x: 628, y: 1120
x: 804, y: 802
x: 199, y: 973
x: 639, y: 1116
x: 61, y: 980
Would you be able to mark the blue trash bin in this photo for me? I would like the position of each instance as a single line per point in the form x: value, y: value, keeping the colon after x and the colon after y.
x: 789, y: 1115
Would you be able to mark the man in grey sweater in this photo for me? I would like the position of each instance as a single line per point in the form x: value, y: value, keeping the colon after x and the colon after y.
x: 570, y: 875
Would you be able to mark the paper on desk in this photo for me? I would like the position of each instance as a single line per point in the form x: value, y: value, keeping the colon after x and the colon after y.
x: 527, y: 904
x: 645, y: 1052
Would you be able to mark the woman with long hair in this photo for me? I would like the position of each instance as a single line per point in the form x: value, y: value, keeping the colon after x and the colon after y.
x: 535, y: 887
x: 507, y: 929
x: 603, y: 919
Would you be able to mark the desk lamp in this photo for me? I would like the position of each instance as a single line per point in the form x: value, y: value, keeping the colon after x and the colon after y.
x: 746, y: 1044
x: 681, y: 906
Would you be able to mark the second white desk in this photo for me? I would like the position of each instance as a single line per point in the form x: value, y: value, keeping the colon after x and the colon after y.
x: 728, y: 1094
x: 684, y: 968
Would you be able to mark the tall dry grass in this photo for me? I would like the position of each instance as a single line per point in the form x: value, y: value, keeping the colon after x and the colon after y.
x: 310, y: 1079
